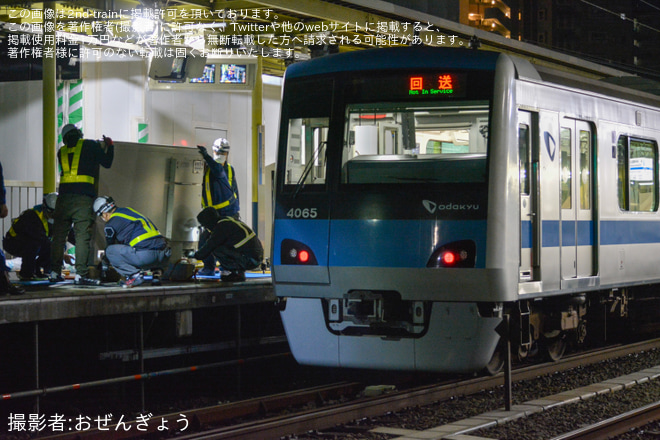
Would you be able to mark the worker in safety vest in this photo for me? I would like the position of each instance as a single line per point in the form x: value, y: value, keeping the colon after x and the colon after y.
x: 217, y: 192
x: 133, y: 241
x: 29, y: 238
x: 221, y: 149
x: 232, y: 242
x: 79, y: 161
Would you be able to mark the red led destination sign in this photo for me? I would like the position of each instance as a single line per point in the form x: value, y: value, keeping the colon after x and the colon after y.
x: 438, y: 85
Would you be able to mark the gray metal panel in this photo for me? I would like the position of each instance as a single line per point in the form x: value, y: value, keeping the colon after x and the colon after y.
x: 525, y: 70
x: 162, y: 183
x: 301, y: 274
x: 183, y: 227
x: 458, y: 339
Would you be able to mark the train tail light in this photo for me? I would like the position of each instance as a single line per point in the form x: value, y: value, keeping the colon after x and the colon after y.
x: 295, y: 252
x: 461, y: 253
x: 449, y: 258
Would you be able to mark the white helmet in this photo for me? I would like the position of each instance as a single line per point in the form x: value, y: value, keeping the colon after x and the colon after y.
x: 221, y: 145
x: 68, y: 128
x: 50, y: 201
x: 103, y: 204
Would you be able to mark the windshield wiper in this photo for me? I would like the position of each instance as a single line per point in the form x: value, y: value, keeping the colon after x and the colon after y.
x: 308, y: 168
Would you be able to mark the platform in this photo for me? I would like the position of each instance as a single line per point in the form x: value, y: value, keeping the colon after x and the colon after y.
x: 57, y: 337
x: 65, y: 300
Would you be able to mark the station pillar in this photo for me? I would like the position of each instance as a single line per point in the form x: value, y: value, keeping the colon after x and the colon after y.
x: 49, y: 91
x: 257, y: 141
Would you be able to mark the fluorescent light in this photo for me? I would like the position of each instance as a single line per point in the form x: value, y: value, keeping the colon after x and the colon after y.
x: 143, y: 25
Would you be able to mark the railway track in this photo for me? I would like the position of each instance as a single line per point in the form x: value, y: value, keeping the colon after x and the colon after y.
x: 616, y: 425
x: 323, y: 407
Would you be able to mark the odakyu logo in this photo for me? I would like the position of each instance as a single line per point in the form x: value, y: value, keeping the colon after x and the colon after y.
x: 550, y: 145
x: 433, y: 207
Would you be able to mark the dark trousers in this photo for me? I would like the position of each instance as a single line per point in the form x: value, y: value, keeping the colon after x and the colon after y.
x: 234, y: 260
x: 209, y: 262
x: 73, y: 209
x: 35, y: 254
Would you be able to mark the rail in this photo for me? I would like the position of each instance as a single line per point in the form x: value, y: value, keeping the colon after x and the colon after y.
x: 614, y: 426
x: 137, y: 377
x: 219, y: 422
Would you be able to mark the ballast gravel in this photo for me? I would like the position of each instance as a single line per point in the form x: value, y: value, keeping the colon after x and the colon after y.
x: 541, y: 426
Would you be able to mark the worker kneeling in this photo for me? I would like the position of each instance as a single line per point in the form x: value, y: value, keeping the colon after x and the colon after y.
x: 232, y: 243
x: 29, y: 238
x: 133, y: 241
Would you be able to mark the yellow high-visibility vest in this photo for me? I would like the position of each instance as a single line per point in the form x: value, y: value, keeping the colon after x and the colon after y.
x: 207, y: 188
x: 149, y: 228
x: 248, y: 234
x: 70, y: 171
x: 40, y: 213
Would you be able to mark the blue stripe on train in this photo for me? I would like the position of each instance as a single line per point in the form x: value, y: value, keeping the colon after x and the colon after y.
x: 611, y: 232
x: 379, y: 243
x: 409, y: 243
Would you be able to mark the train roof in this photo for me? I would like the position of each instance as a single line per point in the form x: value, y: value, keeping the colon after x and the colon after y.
x: 630, y: 88
x: 395, y: 58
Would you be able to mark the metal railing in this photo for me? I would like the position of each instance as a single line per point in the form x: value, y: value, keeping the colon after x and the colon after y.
x: 21, y: 195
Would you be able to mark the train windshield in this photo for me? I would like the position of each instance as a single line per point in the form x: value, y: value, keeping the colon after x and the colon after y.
x: 418, y: 143
x: 306, y: 150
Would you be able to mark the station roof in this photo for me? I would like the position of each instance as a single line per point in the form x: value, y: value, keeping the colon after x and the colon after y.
x: 280, y: 31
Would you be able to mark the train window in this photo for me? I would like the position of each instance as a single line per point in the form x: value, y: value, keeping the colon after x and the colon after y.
x: 622, y: 167
x: 585, y: 169
x: 565, y: 164
x: 638, y: 175
x: 306, y: 151
x: 523, y: 148
x: 415, y: 143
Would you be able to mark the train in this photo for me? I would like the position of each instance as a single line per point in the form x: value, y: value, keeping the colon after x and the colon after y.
x: 423, y: 194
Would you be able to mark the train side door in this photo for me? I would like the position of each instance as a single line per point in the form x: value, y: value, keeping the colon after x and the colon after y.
x: 528, y: 166
x: 576, y: 186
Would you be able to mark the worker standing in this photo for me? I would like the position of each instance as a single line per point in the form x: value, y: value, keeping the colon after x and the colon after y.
x: 221, y: 149
x: 133, y: 241
x: 79, y: 161
x: 217, y: 192
x: 29, y: 238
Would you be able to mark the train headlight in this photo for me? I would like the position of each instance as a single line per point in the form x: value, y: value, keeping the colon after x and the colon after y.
x: 461, y: 253
x: 295, y: 252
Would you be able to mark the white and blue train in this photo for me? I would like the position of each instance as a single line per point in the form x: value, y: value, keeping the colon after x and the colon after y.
x: 423, y: 193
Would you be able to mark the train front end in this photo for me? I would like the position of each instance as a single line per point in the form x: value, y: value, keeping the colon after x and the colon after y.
x: 381, y: 247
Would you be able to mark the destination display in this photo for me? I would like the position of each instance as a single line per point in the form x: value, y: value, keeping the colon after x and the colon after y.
x: 437, y: 84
